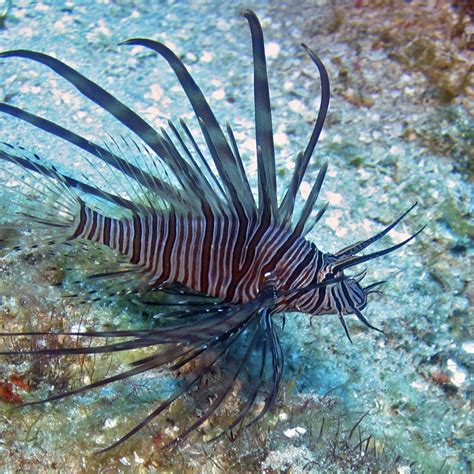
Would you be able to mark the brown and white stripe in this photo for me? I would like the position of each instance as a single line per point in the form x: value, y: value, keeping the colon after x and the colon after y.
x: 220, y: 255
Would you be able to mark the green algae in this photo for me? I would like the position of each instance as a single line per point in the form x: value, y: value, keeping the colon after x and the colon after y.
x: 457, y: 219
x: 449, y: 132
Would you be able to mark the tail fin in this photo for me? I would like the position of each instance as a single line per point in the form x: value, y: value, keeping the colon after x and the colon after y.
x: 38, y: 208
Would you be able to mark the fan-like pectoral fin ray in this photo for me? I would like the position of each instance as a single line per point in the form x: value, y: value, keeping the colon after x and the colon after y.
x: 277, y: 361
x: 216, y: 348
x: 167, y: 356
x: 206, y: 323
x: 116, y: 347
x: 225, y: 390
x: 263, y: 115
x: 149, y: 365
x: 155, y: 413
x: 225, y: 162
x: 206, y: 337
x: 255, y: 387
x: 192, y: 380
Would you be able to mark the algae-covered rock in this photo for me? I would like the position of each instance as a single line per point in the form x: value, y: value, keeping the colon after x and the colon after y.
x: 447, y: 73
x: 449, y: 132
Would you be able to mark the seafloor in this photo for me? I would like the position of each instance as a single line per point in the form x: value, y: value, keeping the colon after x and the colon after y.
x: 400, y: 129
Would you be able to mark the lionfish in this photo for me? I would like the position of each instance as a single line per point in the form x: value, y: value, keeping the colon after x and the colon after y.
x: 191, y: 230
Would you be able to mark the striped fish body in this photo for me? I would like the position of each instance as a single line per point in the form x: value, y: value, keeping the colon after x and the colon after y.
x: 220, y: 255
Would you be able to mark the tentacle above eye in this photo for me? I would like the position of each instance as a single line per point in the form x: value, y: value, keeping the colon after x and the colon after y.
x: 357, y: 260
x: 359, y: 246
